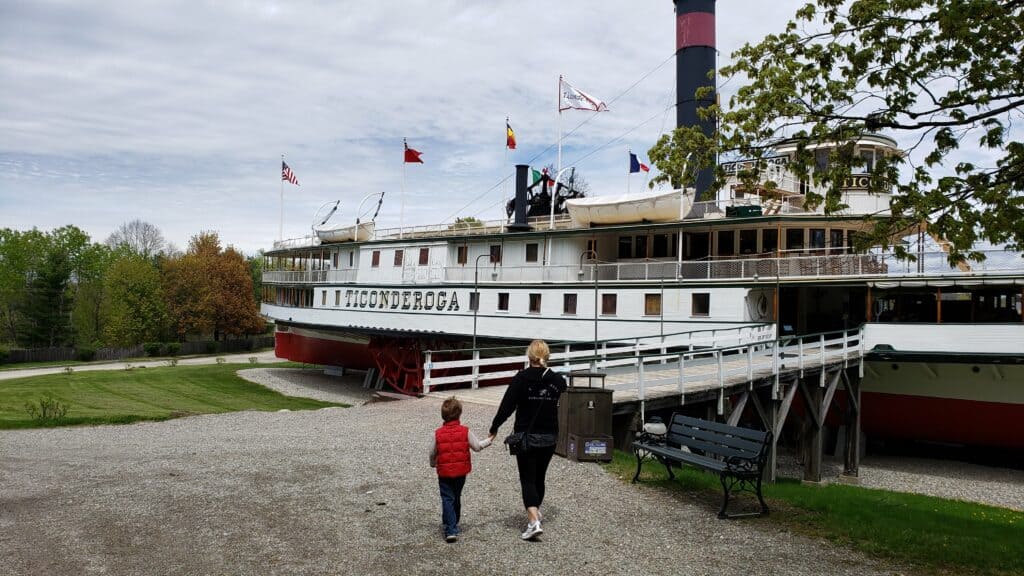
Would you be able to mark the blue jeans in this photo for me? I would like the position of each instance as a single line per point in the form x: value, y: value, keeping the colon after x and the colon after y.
x: 451, y: 503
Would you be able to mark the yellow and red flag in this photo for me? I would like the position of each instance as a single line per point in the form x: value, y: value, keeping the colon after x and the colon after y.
x: 510, y: 136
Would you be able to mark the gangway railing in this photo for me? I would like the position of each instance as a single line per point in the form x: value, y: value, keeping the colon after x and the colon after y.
x: 736, y: 355
x: 609, y: 353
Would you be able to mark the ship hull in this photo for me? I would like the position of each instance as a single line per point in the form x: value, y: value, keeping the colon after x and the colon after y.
x: 964, y: 402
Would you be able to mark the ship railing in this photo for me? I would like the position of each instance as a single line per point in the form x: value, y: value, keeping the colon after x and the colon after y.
x: 674, y: 362
x: 795, y: 264
x: 599, y: 354
x: 310, y: 276
x: 300, y: 242
x: 472, y: 228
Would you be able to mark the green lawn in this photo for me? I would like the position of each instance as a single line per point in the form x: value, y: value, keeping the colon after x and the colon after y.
x: 75, y: 363
x: 122, y: 396
x: 935, y: 534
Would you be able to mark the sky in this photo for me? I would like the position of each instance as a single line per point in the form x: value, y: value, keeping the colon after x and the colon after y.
x: 178, y: 113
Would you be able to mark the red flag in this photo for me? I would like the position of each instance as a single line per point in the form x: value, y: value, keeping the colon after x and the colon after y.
x: 287, y: 175
x: 412, y: 155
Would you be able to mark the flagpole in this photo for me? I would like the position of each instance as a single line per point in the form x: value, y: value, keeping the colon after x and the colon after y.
x: 629, y: 169
x: 401, y: 213
x: 280, y: 226
x: 504, y: 166
x: 559, y: 124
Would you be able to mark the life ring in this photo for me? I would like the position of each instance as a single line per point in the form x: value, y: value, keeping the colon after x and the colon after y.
x: 762, y: 306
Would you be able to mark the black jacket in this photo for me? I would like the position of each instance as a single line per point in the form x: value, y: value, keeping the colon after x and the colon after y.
x: 533, y: 391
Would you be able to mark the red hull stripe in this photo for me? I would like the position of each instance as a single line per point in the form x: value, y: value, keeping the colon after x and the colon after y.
x: 943, y: 420
x: 695, y: 29
x: 325, y: 352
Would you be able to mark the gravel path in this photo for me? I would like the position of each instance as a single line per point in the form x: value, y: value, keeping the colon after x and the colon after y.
x: 347, y: 491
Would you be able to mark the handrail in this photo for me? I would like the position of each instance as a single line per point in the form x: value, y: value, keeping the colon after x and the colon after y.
x: 829, y: 346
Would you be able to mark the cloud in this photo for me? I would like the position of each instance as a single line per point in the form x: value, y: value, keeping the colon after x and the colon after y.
x: 178, y: 113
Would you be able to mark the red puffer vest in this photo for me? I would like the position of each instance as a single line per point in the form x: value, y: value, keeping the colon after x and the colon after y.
x: 452, y: 450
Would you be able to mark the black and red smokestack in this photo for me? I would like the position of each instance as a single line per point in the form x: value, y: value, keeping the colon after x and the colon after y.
x: 695, y: 59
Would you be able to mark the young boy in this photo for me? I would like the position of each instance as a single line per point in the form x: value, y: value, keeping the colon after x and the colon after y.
x: 450, y: 455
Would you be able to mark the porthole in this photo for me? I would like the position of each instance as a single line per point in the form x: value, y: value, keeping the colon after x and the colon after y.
x: 895, y: 366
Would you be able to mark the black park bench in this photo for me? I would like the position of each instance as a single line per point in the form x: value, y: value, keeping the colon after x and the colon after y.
x: 738, y: 455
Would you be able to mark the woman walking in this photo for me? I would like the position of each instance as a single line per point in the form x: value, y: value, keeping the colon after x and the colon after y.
x: 533, y: 396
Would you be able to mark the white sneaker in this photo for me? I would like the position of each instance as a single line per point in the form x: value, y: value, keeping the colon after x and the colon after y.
x: 532, y: 529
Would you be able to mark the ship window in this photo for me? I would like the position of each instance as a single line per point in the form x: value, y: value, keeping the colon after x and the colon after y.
x: 641, y: 246
x: 323, y: 298
x: 794, y: 238
x: 817, y: 238
x: 701, y: 304
x: 462, y: 254
x: 399, y: 254
x: 375, y: 261
x: 531, y: 252
x: 625, y: 246
x: 609, y: 302
x: 337, y: 297
x: 835, y: 240
x: 503, y: 301
x: 769, y: 240
x: 726, y: 243
x: 334, y: 259
x: 821, y: 159
x: 424, y: 256
x: 868, y: 156
x: 534, y: 303
x: 351, y: 257
x: 592, y: 248
x: 748, y: 241
x: 652, y: 304
x: 569, y: 304
x: 495, y: 253
x: 474, y: 301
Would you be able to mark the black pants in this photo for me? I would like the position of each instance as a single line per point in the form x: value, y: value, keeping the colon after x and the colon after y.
x: 533, y: 467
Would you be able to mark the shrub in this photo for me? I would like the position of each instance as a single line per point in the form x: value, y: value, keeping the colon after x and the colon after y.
x: 173, y: 348
x: 85, y: 353
x: 221, y: 360
x: 69, y: 370
x: 46, y: 410
x: 253, y: 360
x: 209, y: 347
x: 172, y: 362
x: 151, y: 348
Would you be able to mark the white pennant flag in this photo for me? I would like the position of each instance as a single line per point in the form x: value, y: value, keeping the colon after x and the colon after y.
x: 571, y: 98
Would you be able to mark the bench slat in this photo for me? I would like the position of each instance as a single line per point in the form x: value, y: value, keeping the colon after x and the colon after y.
x: 711, y: 448
x: 718, y: 438
x: 689, y: 457
x: 746, y: 433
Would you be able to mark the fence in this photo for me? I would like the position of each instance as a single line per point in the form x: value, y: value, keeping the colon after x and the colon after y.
x: 65, y: 354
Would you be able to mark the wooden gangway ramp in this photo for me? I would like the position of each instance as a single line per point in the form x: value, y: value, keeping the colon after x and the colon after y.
x: 731, y: 372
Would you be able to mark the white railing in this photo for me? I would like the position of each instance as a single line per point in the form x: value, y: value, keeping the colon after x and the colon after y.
x: 879, y: 267
x: 607, y: 354
x: 677, y: 360
x: 310, y: 276
x: 729, y: 269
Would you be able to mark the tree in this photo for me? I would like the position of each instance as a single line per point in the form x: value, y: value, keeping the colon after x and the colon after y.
x: 20, y: 256
x: 140, y: 237
x: 209, y: 290
x: 46, y: 312
x: 936, y: 73
x: 137, y: 311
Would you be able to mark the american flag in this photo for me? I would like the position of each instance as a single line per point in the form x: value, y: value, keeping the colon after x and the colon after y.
x: 288, y: 175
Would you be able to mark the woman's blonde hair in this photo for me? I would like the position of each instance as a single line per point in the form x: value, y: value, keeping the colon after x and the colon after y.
x: 538, y: 352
